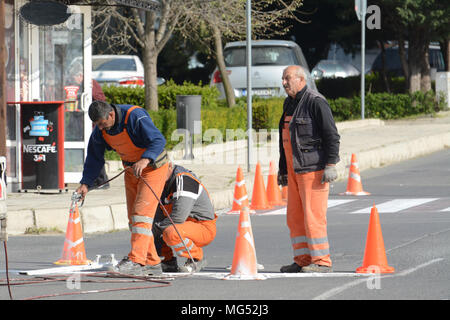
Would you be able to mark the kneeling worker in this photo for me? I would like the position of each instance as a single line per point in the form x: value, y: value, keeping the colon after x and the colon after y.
x: 189, y: 206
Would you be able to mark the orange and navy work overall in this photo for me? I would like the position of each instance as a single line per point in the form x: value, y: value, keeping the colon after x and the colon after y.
x: 306, y: 210
x: 141, y: 203
x: 195, y: 233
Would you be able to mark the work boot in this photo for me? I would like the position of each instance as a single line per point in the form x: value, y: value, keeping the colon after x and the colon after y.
x: 316, y: 268
x: 149, y: 270
x: 126, y: 266
x: 170, y: 265
x: 190, y: 266
x: 292, y: 268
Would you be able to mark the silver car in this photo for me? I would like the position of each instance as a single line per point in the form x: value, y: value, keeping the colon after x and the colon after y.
x: 334, y: 69
x: 269, y: 59
x: 123, y: 70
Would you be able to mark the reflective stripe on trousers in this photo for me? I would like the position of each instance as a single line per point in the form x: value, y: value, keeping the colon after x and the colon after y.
x: 141, y: 206
x: 196, y: 234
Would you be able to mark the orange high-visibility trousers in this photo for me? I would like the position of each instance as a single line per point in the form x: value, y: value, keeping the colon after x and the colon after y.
x: 141, y: 206
x: 306, y: 211
x: 195, y: 234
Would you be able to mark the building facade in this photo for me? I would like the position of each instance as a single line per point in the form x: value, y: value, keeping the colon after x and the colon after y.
x: 47, y: 65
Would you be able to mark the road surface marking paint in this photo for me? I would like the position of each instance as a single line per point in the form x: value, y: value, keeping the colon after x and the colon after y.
x: 446, y: 210
x: 396, y: 205
x: 337, y: 202
x: 330, y: 293
x: 278, y: 275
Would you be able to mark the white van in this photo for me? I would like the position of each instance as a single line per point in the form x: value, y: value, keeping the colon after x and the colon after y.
x: 269, y: 59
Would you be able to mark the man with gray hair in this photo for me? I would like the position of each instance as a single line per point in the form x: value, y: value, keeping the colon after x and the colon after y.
x: 309, y: 151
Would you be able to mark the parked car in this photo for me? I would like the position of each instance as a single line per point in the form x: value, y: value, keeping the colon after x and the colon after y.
x: 393, y: 63
x: 334, y: 69
x: 269, y: 59
x: 119, y: 70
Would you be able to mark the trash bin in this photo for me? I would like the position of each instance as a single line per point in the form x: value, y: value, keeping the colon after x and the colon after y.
x: 42, y: 139
x: 189, y: 120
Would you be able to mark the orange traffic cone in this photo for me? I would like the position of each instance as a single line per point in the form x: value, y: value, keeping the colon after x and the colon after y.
x: 375, y: 260
x: 240, y: 198
x: 73, y: 251
x: 259, y: 196
x: 273, y: 190
x: 354, y: 185
x: 244, y: 265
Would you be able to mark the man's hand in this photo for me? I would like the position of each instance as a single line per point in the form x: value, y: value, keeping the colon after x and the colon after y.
x: 139, y: 166
x: 83, y: 190
x: 329, y: 173
x: 282, y: 179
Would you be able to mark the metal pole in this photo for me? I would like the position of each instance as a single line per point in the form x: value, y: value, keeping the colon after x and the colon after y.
x: 249, y: 84
x: 363, y: 57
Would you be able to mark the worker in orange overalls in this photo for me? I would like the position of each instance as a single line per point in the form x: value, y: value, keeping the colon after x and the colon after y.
x: 130, y: 131
x: 309, y: 151
x: 192, y: 222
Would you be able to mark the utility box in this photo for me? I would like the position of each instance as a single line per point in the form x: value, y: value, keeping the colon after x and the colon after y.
x: 189, y: 119
x: 443, y: 87
x: 42, y: 139
x: 3, y: 209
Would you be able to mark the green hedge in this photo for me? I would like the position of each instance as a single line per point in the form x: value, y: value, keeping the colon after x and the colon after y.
x: 349, y: 87
x: 167, y: 94
x: 266, y: 113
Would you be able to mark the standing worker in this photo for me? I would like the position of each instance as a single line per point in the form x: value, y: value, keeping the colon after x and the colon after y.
x: 309, y: 151
x: 192, y: 222
x: 130, y: 131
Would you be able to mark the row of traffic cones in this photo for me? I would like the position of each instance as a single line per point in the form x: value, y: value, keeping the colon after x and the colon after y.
x: 262, y: 198
x: 244, y: 265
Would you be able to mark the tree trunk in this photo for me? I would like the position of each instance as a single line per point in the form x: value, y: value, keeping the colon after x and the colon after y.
x: 229, y: 92
x: 425, y: 80
x: 415, y: 60
x: 445, y: 48
x: 383, y: 67
x: 404, y: 61
x: 150, y: 56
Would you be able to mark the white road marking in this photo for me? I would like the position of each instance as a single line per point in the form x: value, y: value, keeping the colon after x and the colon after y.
x: 396, y: 205
x: 330, y: 293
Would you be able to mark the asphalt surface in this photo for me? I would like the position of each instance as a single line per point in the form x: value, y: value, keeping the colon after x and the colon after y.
x: 416, y: 239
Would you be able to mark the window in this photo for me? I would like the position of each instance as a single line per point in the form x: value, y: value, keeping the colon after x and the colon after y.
x: 111, y: 64
x: 261, y: 56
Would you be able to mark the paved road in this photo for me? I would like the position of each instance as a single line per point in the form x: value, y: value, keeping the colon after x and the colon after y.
x: 413, y: 198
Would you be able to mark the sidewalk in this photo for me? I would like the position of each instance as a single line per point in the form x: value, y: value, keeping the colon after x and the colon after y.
x: 376, y: 143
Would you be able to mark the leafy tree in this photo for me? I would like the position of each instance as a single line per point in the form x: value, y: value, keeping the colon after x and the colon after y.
x: 132, y: 29
x: 212, y: 22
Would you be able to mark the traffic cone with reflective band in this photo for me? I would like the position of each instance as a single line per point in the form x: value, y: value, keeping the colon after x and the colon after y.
x: 73, y: 251
x: 375, y: 260
x: 259, y: 196
x: 244, y: 265
x: 273, y: 190
x: 240, y: 198
x: 354, y: 185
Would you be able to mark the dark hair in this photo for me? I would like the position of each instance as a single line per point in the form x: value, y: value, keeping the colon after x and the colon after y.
x: 99, y: 110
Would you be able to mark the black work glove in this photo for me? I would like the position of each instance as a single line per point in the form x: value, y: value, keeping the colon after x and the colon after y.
x: 282, y: 179
x: 329, y: 174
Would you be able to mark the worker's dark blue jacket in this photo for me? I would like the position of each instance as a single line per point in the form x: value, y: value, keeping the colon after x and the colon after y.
x: 141, y: 130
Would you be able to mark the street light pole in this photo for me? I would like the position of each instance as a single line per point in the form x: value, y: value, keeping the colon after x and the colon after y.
x: 249, y: 84
x: 361, y: 9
